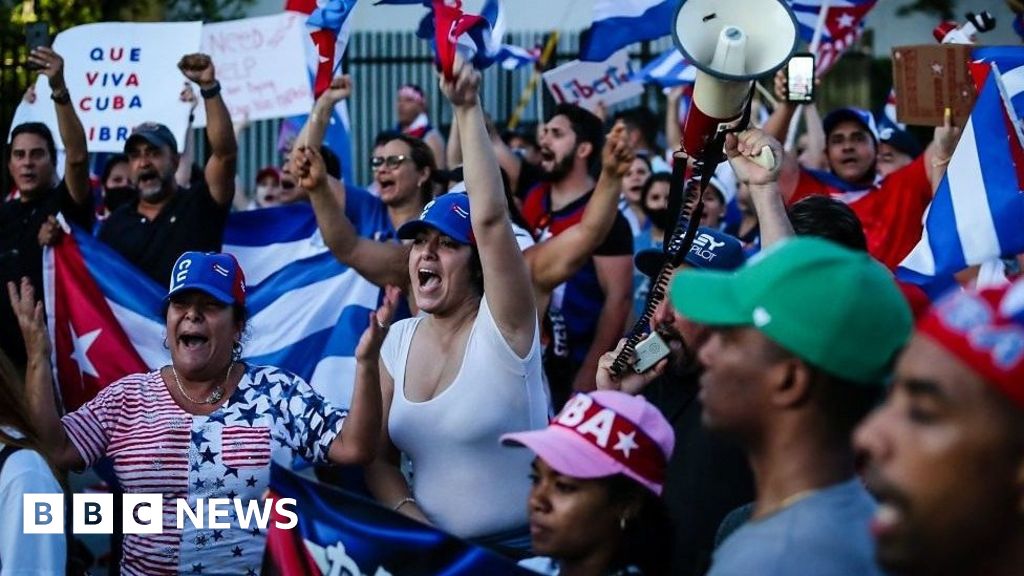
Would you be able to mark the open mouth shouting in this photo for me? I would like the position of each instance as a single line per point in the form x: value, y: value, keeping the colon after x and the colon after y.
x: 428, y: 279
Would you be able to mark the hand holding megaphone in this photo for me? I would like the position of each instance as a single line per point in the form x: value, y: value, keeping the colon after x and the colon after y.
x: 753, y: 156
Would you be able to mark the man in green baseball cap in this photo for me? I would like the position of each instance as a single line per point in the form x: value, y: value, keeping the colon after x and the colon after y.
x: 803, y: 339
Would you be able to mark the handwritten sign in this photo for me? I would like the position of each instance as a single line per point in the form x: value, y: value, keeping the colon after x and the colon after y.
x: 587, y: 83
x: 261, y: 65
x: 119, y: 75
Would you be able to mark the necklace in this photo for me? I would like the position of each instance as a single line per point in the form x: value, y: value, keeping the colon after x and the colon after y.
x: 215, y: 395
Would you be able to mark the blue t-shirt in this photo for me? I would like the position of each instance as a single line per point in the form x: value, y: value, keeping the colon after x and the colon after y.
x: 825, y: 534
x: 367, y: 214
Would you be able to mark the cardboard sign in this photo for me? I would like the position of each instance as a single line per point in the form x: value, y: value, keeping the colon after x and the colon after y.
x: 119, y: 75
x: 930, y: 78
x: 587, y: 83
x: 261, y: 66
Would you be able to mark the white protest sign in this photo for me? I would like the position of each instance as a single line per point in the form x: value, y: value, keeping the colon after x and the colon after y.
x: 261, y: 66
x: 587, y: 83
x: 119, y: 75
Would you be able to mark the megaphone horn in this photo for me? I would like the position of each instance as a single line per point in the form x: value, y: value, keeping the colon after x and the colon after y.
x: 730, y: 42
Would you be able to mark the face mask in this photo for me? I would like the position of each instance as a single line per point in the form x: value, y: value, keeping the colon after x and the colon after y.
x: 118, y: 196
x: 660, y: 218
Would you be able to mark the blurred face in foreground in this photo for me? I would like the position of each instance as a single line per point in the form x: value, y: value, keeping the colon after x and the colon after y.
x: 945, y: 458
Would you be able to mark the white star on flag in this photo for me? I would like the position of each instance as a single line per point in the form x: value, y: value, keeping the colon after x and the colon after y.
x: 320, y: 54
x: 845, y: 21
x: 81, y: 352
x: 626, y: 443
x: 936, y: 68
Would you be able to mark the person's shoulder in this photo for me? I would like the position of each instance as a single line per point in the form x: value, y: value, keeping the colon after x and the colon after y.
x: 30, y: 464
x: 913, y: 172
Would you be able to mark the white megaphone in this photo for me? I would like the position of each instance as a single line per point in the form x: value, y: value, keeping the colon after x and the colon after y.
x: 730, y: 42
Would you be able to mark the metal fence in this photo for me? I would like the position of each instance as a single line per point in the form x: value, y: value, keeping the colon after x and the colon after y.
x: 380, y: 62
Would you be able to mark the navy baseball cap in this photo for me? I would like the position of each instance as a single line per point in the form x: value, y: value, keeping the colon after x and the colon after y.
x: 712, y: 250
x: 156, y: 134
x: 214, y: 273
x: 448, y: 214
x: 900, y: 140
x: 858, y: 115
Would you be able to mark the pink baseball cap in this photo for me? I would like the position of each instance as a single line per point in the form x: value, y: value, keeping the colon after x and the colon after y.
x: 604, y: 433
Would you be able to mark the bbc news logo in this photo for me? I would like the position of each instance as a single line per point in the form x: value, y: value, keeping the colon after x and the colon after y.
x: 143, y: 513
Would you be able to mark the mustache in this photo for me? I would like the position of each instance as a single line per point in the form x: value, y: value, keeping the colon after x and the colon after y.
x: 881, y: 488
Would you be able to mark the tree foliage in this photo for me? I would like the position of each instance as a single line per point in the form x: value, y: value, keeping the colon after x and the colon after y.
x: 941, y: 8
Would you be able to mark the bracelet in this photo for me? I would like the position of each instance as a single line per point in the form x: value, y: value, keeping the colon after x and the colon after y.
x: 212, y: 91
x: 943, y: 162
x: 61, y: 96
x: 403, y: 502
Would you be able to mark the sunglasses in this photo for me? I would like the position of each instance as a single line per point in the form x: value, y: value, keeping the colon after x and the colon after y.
x: 392, y: 162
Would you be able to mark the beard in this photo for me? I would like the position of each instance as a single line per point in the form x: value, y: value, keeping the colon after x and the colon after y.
x: 560, y: 170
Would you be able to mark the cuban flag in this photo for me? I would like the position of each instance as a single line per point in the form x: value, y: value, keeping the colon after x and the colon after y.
x: 329, y: 31
x: 978, y: 209
x: 619, y: 23
x: 844, y: 25
x: 481, y: 36
x: 889, y: 109
x: 306, y: 310
x: 341, y: 533
x: 668, y: 70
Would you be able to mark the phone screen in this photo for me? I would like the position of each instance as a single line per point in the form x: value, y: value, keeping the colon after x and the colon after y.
x: 800, y: 78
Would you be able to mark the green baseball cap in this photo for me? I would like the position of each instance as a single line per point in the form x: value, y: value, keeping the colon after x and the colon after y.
x: 839, y: 310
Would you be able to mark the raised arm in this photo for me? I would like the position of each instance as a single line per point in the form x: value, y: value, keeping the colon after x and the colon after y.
x: 382, y: 263
x: 76, y: 159
x: 762, y: 182
x: 357, y: 442
x: 183, y: 175
x: 556, y: 259
x: 940, y: 150
x: 42, y: 406
x: 222, y: 165
x: 510, y: 295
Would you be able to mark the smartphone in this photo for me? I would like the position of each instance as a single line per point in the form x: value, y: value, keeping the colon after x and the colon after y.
x: 37, y: 34
x: 800, y: 78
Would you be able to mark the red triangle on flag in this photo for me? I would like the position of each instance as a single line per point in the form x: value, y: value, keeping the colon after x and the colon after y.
x: 91, y: 348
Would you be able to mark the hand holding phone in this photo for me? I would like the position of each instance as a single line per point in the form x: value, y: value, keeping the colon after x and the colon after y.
x: 800, y: 78
x: 37, y: 35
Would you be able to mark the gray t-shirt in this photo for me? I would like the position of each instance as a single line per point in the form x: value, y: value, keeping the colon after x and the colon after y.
x: 825, y: 534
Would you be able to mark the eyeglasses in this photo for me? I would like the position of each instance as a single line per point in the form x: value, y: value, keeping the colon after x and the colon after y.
x: 392, y: 162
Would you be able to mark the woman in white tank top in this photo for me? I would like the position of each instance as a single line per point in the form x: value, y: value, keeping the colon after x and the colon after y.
x: 454, y: 380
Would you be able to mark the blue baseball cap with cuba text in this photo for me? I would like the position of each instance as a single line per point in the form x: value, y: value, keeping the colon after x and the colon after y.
x: 712, y: 249
x: 448, y: 214
x: 214, y: 273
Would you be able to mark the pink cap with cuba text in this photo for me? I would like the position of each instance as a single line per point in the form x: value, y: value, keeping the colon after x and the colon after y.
x: 604, y: 433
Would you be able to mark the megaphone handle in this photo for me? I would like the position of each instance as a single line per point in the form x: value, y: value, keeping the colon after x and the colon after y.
x: 766, y: 159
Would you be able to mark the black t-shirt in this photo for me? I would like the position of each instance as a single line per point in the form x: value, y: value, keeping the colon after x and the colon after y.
x: 21, y: 255
x: 708, y: 476
x: 191, y: 220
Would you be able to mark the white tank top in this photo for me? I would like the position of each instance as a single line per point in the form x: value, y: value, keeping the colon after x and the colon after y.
x: 464, y: 480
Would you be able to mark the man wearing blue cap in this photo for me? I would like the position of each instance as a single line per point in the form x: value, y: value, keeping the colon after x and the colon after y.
x: 890, y: 207
x: 707, y: 476
x: 167, y: 220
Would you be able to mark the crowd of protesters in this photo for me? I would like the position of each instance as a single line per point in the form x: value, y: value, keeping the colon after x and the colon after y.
x: 813, y: 414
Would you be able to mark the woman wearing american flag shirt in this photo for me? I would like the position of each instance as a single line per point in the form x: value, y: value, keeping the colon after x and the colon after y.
x: 205, y: 426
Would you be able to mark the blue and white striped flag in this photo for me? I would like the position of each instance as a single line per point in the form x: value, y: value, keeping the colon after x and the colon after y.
x: 668, y: 70
x: 978, y: 211
x: 619, y: 23
x: 306, y: 310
